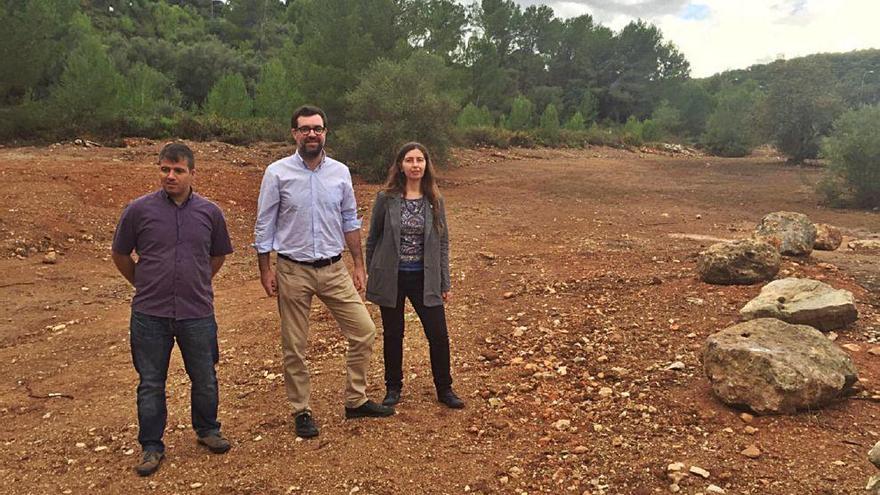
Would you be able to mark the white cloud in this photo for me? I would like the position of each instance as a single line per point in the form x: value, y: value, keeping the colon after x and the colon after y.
x: 738, y: 33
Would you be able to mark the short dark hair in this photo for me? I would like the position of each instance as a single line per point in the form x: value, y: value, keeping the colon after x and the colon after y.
x: 175, y: 152
x: 307, y: 111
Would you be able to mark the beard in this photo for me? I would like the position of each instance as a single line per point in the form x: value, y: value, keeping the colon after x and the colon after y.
x: 306, y: 152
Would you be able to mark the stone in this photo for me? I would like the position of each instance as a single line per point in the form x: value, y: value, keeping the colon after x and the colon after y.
x: 742, y: 262
x: 697, y: 470
x: 792, y: 233
x: 50, y: 258
x: 746, y: 417
x: 774, y: 367
x: 864, y: 245
x: 828, y: 237
x: 752, y: 452
x: 874, y: 455
x: 675, y: 366
x: 873, y: 485
x: 714, y: 489
x: 803, y: 301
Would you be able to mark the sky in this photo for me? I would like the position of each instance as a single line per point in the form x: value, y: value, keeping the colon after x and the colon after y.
x: 719, y: 35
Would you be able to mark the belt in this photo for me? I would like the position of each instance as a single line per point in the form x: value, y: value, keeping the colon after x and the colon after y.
x: 314, y: 264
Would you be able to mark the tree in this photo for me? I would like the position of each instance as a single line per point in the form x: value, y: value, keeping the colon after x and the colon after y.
x: 576, y: 122
x: 89, y: 92
x: 436, y: 26
x: 667, y: 118
x: 148, y: 93
x: 549, y: 126
x: 229, y: 98
x: 275, y: 94
x: 31, y: 44
x: 853, y: 150
x: 197, y: 66
x: 520, y: 114
x: 473, y: 116
x: 396, y: 102
x: 800, y: 107
x: 730, y: 127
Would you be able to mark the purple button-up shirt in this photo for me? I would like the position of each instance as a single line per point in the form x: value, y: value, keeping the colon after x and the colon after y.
x: 172, y: 278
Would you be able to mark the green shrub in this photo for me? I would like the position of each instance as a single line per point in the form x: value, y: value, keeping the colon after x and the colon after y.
x: 520, y: 114
x: 275, y: 96
x: 396, y: 102
x: 632, y: 132
x: 484, y: 136
x: 730, y: 127
x: 229, y: 98
x: 548, y: 130
x: 472, y: 116
x: 652, y: 131
x: 853, y: 151
x: 576, y: 122
x: 667, y: 120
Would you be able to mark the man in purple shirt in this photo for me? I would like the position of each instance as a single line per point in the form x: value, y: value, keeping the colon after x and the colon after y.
x: 307, y: 214
x: 181, y: 242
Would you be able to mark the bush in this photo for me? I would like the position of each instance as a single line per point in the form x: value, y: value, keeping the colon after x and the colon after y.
x: 472, y: 116
x: 853, y: 150
x: 396, y: 102
x: 520, y: 114
x: 576, y: 122
x: 730, y: 127
x: 233, y: 131
x: 229, y: 98
x: 275, y: 95
x: 653, y: 131
x: 549, y: 126
x: 484, y: 136
x: 632, y: 132
x: 667, y: 120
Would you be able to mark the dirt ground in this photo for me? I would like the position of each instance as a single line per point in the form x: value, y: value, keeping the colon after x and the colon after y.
x: 573, y: 271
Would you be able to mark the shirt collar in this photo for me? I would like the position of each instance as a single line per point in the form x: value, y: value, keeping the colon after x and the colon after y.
x: 192, y: 192
x: 299, y: 159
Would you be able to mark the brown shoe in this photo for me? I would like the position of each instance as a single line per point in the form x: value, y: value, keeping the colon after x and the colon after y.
x: 149, y: 463
x: 215, y: 443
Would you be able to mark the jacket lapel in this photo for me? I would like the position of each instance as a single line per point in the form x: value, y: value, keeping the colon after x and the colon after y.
x: 429, y: 220
x: 394, y: 221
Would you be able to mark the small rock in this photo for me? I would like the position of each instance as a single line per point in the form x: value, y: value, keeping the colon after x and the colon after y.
x: 50, y: 258
x: 714, y: 489
x: 874, y: 455
x: 746, y: 417
x: 100, y: 448
x: 676, y: 366
x: 562, y: 424
x: 751, y: 430
x: 580, y: 449
x: 852, y: 347
x: 675, y: 466
x: 699, y: 471
x: 508, y: 295
x: 196, y: 485
x: 752, y: 452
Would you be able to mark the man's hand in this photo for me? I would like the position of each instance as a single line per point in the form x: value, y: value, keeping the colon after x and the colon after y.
x: 447, y: 297
x: 360, y: 278
x: 270, y: 284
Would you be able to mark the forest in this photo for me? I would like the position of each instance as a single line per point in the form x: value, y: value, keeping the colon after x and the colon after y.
x: 488, y: 73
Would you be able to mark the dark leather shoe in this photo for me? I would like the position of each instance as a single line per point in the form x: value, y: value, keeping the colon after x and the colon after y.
x: 305, y: 426
x: 368, y: 409
x: 215, y: 443
x: 392, y: 397
x: 149, y: 463
x: 451, y: 400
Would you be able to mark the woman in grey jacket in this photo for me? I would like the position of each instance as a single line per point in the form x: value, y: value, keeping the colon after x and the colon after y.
x: 408, y: 258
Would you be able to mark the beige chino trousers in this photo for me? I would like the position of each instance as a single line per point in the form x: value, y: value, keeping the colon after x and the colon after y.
x: 297, y: 284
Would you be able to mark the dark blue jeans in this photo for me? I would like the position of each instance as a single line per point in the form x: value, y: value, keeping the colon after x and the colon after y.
x: 152, y: 339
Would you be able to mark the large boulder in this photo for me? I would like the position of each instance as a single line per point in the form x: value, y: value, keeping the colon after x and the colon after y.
x: 803, y: 301
x: 743, y: 262
x: 828, y: 237
x: 792, y: 233
x: 774, y: 367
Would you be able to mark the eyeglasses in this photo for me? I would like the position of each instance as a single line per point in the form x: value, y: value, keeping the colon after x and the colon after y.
x: 305, y: 130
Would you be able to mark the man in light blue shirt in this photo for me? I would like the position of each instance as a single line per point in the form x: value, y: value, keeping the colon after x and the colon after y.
x: 307, y: 214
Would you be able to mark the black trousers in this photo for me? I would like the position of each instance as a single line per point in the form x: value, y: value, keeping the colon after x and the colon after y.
x: 411, y: 285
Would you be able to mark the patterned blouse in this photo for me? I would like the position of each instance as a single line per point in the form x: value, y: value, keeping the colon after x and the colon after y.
x: 412, y: 234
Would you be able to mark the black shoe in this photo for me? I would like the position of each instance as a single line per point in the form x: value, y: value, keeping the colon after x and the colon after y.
x: 392, y: 397
x: 451, y: 400
x: 149, y: 462
x: 368, y: 409
x: 305, y: 427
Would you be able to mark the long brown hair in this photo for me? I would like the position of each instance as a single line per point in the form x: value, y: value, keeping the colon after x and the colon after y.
x: 395, y: 183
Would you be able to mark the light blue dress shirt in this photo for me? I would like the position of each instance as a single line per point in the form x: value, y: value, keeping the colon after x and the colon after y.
x: 304, y: 214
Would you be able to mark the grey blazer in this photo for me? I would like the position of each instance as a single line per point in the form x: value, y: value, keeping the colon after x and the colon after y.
x: 383, y: 253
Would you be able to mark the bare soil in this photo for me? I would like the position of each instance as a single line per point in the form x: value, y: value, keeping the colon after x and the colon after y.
x: 573, y: 271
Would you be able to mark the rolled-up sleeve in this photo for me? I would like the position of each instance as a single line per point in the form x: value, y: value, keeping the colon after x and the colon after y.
x: 350, y: 221
x: 267, y: 213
